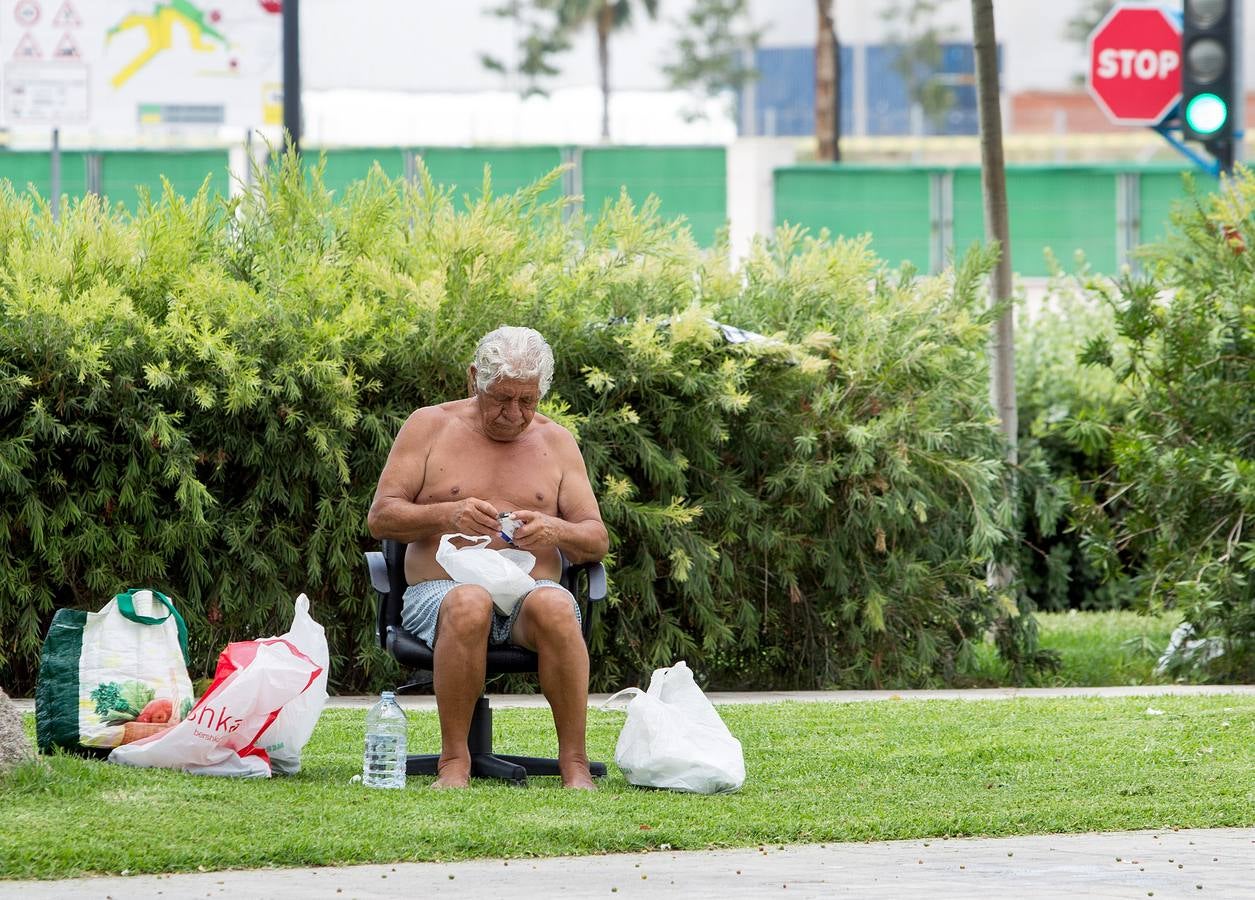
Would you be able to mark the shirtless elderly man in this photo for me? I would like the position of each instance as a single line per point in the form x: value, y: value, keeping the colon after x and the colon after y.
x: 452, y: 469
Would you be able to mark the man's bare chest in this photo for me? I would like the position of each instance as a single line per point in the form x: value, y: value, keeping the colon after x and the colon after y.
x: 523, y: 474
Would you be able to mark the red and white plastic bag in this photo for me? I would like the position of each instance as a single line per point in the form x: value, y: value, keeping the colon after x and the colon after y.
x: 227, y: 729
x: 286, y: 738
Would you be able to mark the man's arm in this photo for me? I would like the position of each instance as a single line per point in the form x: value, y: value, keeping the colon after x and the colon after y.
x: 395, y: 512
x: 577, y: 529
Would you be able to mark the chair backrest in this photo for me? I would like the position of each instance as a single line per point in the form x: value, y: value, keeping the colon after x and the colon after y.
x: 390, y: 603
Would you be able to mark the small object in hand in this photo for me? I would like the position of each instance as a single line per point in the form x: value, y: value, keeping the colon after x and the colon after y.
x: 507, y: 523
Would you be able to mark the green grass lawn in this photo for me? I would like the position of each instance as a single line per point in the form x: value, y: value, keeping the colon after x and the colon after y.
x: 1096, y: 648
x: 817, y: 773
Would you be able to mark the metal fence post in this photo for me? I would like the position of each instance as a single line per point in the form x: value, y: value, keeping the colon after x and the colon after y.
x: 93, y: 166
x: 940, y: 219
x: 1128, y: 217
x: 572, y: 178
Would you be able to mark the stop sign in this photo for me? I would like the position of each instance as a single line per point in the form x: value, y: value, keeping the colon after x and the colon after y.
x: 1135, y: 64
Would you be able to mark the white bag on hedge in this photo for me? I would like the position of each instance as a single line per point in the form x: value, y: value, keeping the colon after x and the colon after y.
x: 286, y: 738
x: 503, y: 573
x: 673, y: 737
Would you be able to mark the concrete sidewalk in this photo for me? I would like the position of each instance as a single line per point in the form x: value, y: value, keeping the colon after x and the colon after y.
x: 530, y: 701
x: 1139, y: 864
x: 526, y: 701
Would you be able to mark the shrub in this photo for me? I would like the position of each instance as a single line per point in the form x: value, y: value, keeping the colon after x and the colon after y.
x: 200, y: 397
x: 1066, y: 413
x: 1183, y: 487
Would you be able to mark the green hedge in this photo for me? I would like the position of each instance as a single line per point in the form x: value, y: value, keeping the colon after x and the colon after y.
x: 199, y: 398
x: 1066, y: 412
x: 1181, y: 490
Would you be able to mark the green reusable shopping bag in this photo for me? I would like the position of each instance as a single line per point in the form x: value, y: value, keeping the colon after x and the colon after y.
x: 100, y: 671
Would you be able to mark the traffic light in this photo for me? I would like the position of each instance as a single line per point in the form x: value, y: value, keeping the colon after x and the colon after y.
x: 1209, y: 71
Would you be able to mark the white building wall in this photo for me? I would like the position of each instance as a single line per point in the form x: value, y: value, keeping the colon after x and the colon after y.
x: 434, y: 45
x: 751, y: 165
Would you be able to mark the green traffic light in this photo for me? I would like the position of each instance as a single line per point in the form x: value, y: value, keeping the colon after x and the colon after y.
x: 1206, y: 113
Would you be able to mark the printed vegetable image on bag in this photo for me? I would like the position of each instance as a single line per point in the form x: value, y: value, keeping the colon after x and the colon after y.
x: 114, y: 676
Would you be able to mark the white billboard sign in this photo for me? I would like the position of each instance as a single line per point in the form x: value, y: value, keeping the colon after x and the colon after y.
x: 120, y: 65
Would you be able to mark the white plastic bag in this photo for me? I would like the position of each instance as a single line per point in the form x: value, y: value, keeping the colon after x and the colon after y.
x: 503, y: 573
x: 673, y: 738
x: 285, y: 739
x: 226, y: 731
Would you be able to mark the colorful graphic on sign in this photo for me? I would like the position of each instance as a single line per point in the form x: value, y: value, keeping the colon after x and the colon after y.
x: 186, y: 64
x: 159, y: 28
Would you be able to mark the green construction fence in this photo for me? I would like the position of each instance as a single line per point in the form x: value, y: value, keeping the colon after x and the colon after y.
x: 121, y: 174
x: 920, y: 214
x: 923, y: 215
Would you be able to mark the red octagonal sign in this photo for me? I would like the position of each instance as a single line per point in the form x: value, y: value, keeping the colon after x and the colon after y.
x: 1135, y: 64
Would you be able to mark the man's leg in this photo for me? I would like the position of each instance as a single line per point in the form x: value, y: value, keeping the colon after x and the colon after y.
x: 547, y: 624
x: 460, y: 657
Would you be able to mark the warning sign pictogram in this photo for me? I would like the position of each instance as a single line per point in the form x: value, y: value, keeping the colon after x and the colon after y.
x: 67, y: 17
x: 27, y: 48
x: 66, y: 48
x: 26, y: 12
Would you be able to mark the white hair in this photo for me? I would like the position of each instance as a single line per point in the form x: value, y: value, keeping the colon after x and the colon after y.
x: 513, y: 352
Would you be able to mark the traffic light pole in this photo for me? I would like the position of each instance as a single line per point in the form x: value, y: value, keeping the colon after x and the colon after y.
x: 1237, y: 150
x: 1165, y: 130
x: 1213, y: 96
x: 292, y: 74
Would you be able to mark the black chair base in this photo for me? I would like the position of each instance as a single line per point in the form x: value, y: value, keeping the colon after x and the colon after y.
x: 514, y: 769
x: 485, y: 763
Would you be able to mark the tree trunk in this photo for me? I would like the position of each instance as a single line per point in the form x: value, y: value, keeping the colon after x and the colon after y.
x: 827, y: 85
x: 993, y: 182
x: 993, y: 179
x: 605, y: 22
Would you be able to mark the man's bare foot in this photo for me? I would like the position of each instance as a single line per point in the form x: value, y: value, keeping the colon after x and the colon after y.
x: 453, y: 773
x: 575, y: 775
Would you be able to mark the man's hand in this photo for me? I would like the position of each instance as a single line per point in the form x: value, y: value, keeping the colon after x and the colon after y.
x: 475, y: 517
x: 536, y: 531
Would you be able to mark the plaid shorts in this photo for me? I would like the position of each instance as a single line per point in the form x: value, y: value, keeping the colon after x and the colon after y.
x: 420, y: 610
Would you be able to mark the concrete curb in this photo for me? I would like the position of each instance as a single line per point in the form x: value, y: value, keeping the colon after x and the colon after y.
x: 530, y: 701
x: 1166, y: 863
x: 537, y: 701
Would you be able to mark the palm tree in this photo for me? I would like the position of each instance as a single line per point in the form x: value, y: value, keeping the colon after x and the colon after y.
x: 548, y: 26
x: 828, y: 84
x: 606, y: 16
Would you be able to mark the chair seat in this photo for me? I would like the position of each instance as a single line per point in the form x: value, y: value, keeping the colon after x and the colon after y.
x: 412, y: 652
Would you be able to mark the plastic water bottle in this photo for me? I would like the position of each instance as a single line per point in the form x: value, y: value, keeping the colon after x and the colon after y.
x: 383, y: 764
